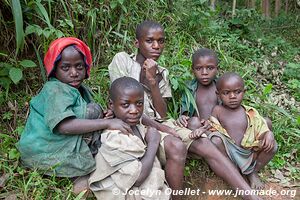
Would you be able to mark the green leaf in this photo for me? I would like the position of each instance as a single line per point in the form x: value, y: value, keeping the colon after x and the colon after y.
x: 33, y: 29
x: 174, y: 84
x: 5, y: 82
x: 113, y: 4
x: 80, y: 195
x: 13, y: 154
x: 298, y: 120
x: 47, y: 33
x: 27, y: 63
x: 18, y: 19
x: 268, y: 89
x: 3, y: 54
x: 15, y: 74
x: 42, y: 11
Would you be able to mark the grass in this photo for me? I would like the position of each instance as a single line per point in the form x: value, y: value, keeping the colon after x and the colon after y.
x: 256, y: 48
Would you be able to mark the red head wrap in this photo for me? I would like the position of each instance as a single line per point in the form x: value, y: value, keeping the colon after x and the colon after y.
x: 58, y: 45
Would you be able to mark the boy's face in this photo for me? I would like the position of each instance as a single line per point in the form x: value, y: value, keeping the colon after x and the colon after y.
x: 71, y: 68
x: 128, y: 105
x: 205, y: 69
x: 231, y: 92
x: 151, y: 43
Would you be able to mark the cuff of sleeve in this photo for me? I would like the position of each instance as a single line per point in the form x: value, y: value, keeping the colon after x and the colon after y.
x: 53, y: 122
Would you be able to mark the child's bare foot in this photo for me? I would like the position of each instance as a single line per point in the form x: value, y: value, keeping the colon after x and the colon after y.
x: 80, y: 184
x: 255, y: 182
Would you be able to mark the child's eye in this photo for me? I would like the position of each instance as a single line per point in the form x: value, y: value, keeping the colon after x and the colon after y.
x: 211, y: 68
x: 79, y: 66
x: 65, y: 67
x: 161, y: 41
x: 125, y: 105
x: 225, y: 93
x: 238, y: 92
x: 140, y: 103
x: 198, y: 68
x: 148, y: 40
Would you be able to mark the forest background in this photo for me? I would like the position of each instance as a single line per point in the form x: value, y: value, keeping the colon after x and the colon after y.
x: 259, y: 39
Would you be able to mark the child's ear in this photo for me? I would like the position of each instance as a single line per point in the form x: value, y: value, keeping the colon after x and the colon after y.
x: 110, y: 105
x: 136, y: 43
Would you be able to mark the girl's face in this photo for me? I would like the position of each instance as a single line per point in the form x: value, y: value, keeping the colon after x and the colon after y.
x: 71, y: 68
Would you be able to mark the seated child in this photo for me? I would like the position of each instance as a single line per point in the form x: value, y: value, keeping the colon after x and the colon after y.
x: 128, y: 162
x: 198, y: 109
x: 58, y: 136
x: 150, y: 38
x: 242, y: 133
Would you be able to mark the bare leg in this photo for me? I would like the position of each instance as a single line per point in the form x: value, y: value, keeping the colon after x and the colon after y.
x: 262, y: 159
x: 220, y: 164
x: 219, y: 144
x: 174, y: 168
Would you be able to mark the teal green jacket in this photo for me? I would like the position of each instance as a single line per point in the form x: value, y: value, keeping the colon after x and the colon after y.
x: 41, y: 146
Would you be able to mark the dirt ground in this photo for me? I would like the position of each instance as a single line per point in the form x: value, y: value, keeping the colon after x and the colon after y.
x: 203, y: 181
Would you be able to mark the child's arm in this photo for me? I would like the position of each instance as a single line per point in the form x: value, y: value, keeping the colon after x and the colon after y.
x: 73, y: 126
x: 161, y: 127
x: 267, y: 141
x: 152, y: 138
x: 150, y: 67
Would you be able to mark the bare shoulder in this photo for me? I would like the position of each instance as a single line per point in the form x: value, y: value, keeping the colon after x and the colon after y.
x: 216, y: 110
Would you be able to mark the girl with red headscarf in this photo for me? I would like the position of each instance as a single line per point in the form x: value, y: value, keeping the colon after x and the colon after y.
x: 62, y: 131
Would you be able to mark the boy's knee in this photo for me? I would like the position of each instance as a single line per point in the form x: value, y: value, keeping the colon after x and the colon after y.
x: 217, y: 141
x: 275, y: 149
x: 204, y: 148
x: 175, y: 148
x: 194, y: 123
x: 269, y: 123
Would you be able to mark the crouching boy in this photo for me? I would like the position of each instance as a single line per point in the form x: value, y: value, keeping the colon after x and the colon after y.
x: 242, y: 133
x: 126, y: 165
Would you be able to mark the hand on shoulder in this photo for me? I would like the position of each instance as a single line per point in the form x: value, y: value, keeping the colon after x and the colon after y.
x: 117, y: 124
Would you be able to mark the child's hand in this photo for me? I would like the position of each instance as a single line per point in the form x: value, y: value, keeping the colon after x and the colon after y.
x: 150, y: 67
x: 117, y: 124
x: 200, y: 132
x: 108, y: 114
x: 152, y: 136
x: 268, y: 141
x: 182, y: 121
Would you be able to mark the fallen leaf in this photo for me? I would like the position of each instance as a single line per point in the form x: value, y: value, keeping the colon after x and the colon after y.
x: 11, y: 197
x: 4, y: 177
x: 278, y: 174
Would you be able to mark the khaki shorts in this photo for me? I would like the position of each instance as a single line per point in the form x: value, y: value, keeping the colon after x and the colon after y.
x: 181, y: 131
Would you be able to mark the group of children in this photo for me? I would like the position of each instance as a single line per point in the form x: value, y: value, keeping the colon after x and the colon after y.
x: 126, y: 147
